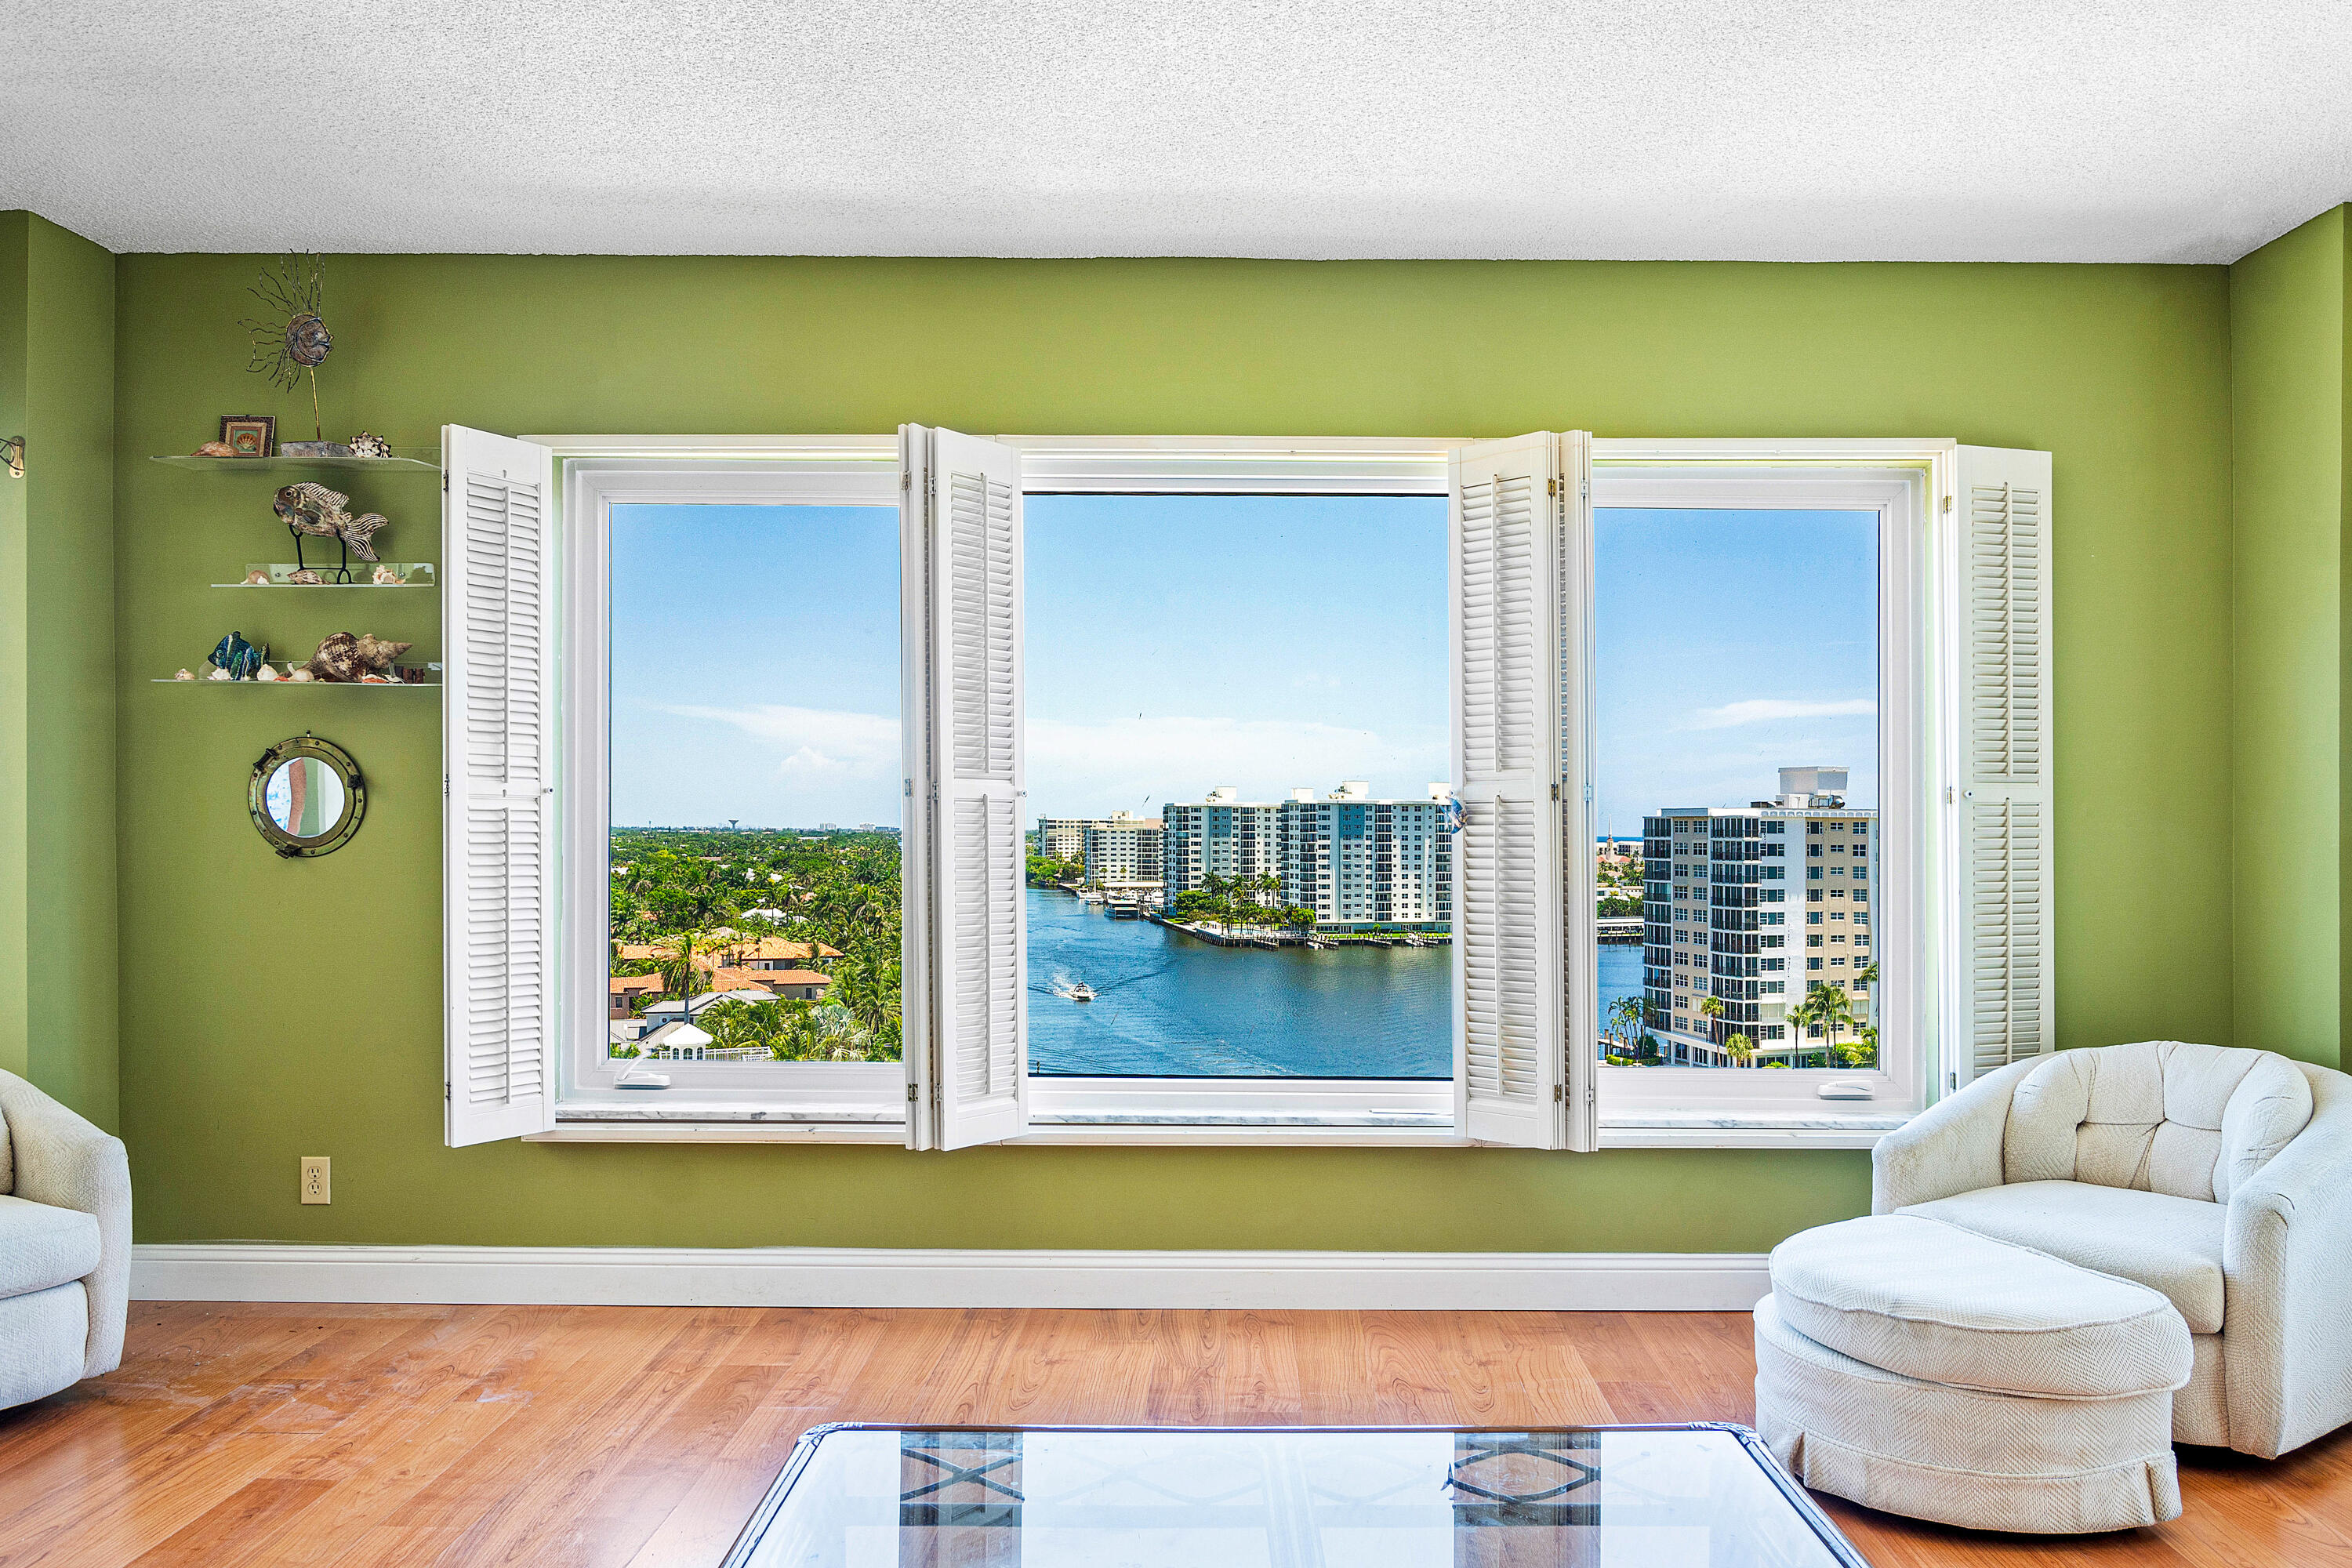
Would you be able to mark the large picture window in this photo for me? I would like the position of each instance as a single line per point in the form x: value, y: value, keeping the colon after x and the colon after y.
x: 1543, y: 791
x: 1238, y: 865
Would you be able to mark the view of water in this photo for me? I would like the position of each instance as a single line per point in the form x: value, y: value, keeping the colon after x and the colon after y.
x: 1168, y: 1005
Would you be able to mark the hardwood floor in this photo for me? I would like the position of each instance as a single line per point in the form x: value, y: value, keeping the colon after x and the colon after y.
x: 639, y: 1438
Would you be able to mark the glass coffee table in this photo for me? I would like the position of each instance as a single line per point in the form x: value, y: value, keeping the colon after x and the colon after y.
x: 1701, y: 1496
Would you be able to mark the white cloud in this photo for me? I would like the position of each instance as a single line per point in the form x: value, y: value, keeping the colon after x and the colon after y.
x: 1077, y: 768
x: 1765, y: 709
x: 817, y: 742
x: 1134, y: 763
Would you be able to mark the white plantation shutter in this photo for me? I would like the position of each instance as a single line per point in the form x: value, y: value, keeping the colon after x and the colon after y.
x: 1509, y: 519
x: 2005, y: 997
x: 968, y: 1039
x: 498, y: 735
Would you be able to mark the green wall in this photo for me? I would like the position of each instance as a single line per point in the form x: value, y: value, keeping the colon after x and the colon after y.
x: 273, y: 1009
x: 58, y: 976
x: 2288, y: 366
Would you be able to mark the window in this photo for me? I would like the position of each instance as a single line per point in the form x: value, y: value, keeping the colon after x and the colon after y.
x: 532, y: 801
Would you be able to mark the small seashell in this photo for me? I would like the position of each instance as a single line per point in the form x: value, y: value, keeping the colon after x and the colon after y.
x: 386, y: 577
x: 215, y: 450
x: 300, y: 674
x: 184, y: 675
x: 256, y: 578
x: 307, y: 577
x: 220, y: 675
x: 366, y: 446
x: 371, y: 679
x: 266, y: 672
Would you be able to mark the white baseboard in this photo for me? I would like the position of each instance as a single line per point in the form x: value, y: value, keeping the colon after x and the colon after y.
x: 884, y: 1277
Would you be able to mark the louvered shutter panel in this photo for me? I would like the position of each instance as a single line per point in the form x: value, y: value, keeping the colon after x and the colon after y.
x: 498, y: 809
x: 2006, y: 1003
x: 964, y: 511
x: 1510, y: 1015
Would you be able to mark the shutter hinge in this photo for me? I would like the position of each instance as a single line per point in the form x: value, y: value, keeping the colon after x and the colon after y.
x: 1588, y: 795
x: 1948, y: 503
x: 1551, y: 486
x: 910, y: 1094
x: 906, y: 480
x: 1560, y: 1093
x: 1555, y: 792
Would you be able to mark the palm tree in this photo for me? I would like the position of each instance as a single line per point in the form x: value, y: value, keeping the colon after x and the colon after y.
x: 1801, y: 1016
x: 1711, y: 1008
x: 1626, y: 1019
x: 1828, y: 1007
x: 682, y: 976
x: 1739, y: 1048
x: 1863, y: 1052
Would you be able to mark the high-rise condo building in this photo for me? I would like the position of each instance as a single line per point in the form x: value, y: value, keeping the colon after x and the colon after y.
x: 1064, y: 837
x: 1222, y: 836
x: 1123, y: 850
x: 1356, y: 861
x: 1754, y: 906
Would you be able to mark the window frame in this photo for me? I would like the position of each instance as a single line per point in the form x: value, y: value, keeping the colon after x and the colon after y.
x: 1415, y: 1109
x: 597, y: 471
x: 1916, y: 692
x: 819, y: 471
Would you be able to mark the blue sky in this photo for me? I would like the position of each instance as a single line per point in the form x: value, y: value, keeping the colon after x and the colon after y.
x: 1727, y: 645
x: 755, y: 665
x: 1180, y: 642
x: 1177, y: 643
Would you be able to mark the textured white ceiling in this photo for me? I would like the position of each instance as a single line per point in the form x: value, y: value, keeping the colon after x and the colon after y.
x: 1810, y: 130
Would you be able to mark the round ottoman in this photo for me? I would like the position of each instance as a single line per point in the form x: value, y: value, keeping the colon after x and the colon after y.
x: 1913, y: 1366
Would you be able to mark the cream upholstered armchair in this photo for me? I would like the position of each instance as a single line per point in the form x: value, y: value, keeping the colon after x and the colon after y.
x: 65, y: 1246
x: 2221, y: 1178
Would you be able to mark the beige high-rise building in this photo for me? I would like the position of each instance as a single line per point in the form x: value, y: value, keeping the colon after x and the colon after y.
x: 1754, y: 906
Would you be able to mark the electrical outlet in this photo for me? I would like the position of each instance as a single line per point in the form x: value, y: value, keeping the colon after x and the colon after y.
x: 316, y: 1180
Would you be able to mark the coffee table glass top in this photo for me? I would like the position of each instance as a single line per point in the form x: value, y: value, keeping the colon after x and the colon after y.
x: 1614, y: 1497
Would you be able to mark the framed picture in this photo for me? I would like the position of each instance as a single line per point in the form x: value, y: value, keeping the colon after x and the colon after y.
x: 250, y: 435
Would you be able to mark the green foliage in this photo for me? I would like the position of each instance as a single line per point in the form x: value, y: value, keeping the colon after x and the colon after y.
x: 1049, y: 873
x: 675, y: 889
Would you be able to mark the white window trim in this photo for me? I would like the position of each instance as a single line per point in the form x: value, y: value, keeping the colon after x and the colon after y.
x: 819, y: 471
x: 1916, y: 694
x: 1121, y: 1111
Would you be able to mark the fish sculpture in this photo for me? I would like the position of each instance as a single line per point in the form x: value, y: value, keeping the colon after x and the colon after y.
x: 313, y: 509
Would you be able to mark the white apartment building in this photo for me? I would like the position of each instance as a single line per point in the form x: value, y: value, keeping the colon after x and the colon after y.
x: 1064, y: 837
x: 1222, y: 836
x: 1754, y: 905
x: 1123, y: 850
x: 1360, y: 862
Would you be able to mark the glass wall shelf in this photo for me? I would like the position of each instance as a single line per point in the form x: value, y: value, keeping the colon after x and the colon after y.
x: 414, y: 574
x: 299, y: 464
x: 433, y: 685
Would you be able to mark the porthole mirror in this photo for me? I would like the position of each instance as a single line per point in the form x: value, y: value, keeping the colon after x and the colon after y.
x: 307, y: 797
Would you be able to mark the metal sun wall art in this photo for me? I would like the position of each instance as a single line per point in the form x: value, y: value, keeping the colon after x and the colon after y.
x: 289, y: 337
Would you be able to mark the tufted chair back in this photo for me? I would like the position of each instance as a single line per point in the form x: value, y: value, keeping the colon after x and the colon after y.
x: 2163, y: 1116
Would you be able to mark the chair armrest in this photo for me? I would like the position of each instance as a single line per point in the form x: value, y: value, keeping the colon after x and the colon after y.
x: 65, y: 1162
x: 2286, y: 1266
x: 1952, y: 1147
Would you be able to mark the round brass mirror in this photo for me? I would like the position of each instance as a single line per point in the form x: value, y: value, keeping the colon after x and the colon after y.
x: 307, y: 797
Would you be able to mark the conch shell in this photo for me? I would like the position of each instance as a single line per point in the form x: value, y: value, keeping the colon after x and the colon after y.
x: 343, y: 657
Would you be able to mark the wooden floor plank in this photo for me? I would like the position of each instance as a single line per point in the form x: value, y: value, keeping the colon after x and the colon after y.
x: 365, y: 1436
